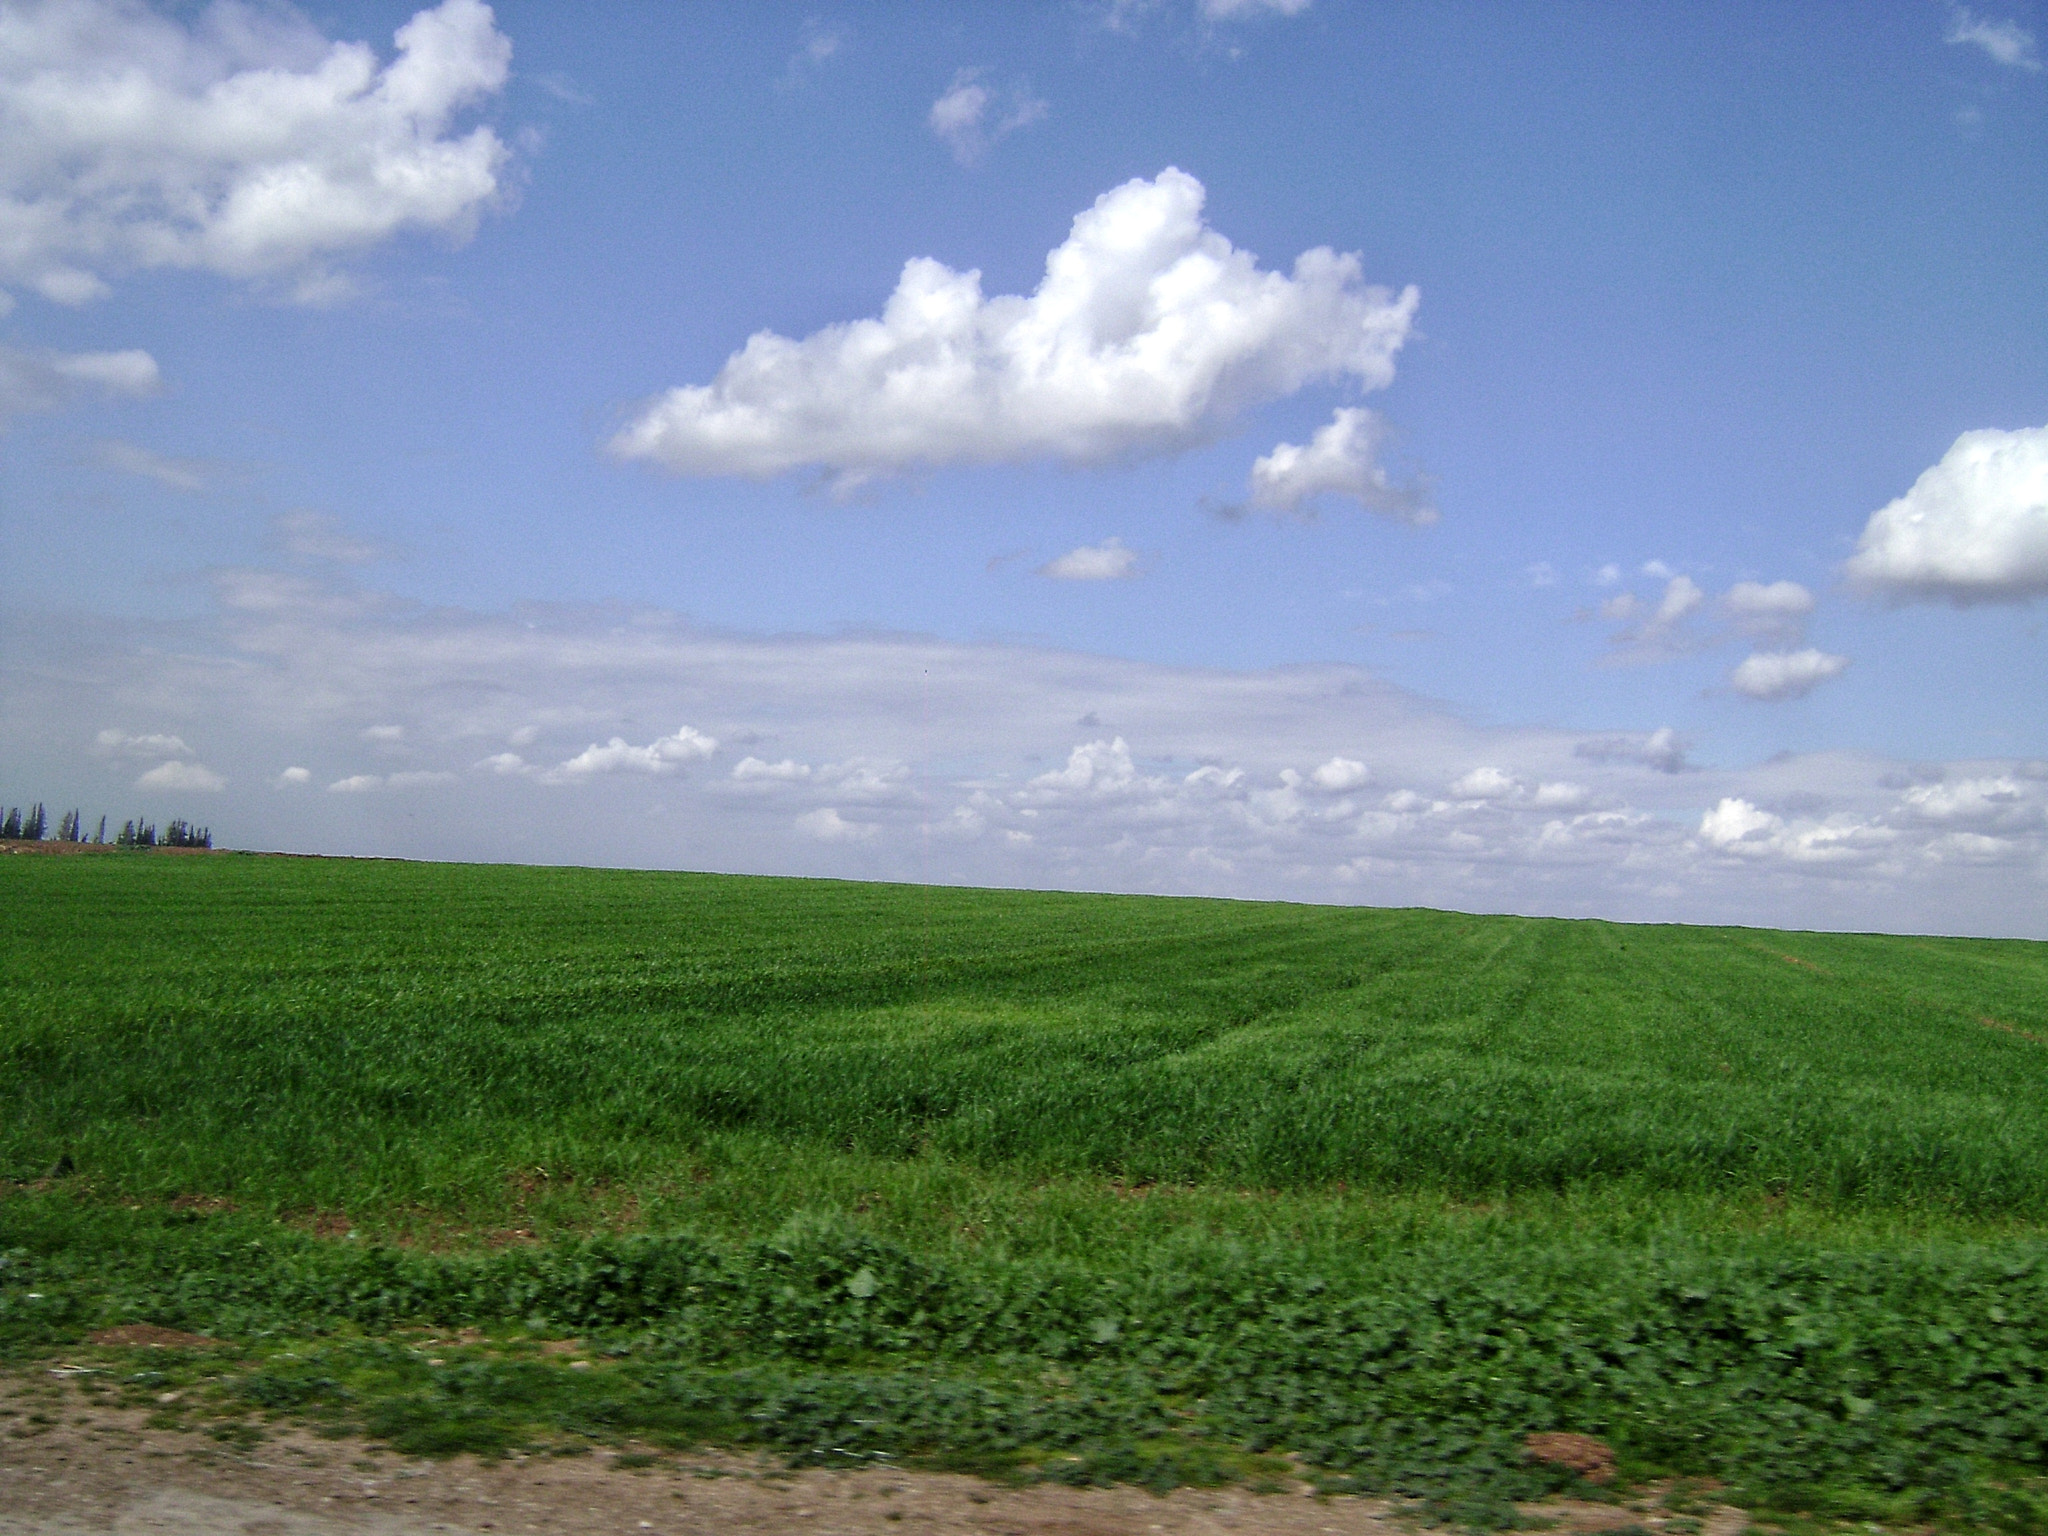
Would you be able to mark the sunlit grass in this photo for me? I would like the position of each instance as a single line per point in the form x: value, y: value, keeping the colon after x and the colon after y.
x: 1076, y: 1186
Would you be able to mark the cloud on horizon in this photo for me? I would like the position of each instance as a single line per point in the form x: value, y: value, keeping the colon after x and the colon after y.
x: 901, y: 757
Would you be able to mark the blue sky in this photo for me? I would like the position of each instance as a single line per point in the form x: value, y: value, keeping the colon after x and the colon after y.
x: 378, y: 409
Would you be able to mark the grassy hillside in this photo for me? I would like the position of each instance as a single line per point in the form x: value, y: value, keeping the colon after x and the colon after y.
x: 1390, y: 1188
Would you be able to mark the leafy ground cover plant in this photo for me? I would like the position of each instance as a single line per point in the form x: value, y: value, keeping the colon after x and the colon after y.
x: 1076, y: 1187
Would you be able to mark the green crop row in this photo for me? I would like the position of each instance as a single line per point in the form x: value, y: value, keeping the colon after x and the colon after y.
x: 1076, y: 1186
x: 299, y: 1032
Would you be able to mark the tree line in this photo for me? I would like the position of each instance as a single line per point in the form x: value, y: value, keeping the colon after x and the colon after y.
x: 32, y: 826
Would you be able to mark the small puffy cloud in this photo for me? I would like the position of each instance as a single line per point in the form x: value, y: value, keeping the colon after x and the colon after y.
x: 1681, y: 597
x: 754, y: 770
x: 1776, y: 610
x: 1734, y: 820
x: 321, y: 536
x: 828, y: 826
x: 188, y: 475
x: 1107, y: 561
x: 1340, y: 775
x: 384, y: 733
x: 369, y: 783
x: 505, y: 764
x: 1608, y: 575
x: 1149, y: 334
x: 1967, y: 801
x: 1093, y: 768
x: 1663, y: 749
x: 2007, y: 42
x: 865, y: 778
x: 1973, y: 529
x: 44, y: 381
x: 1774, y: 675
x: 182, y: 777
x: 1560, y: 795
x: 291, y: 778
x: 1655, y: 633
x: 663, y: 755
x: 151, y: 744
x: 244, y: 144
x: 972, y: 116
x: 1485, y: 784
x: 1341, y: 459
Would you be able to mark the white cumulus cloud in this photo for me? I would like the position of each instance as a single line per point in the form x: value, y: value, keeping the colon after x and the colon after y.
x: 182, y: 777
x: 972, y: 115
x: 1973, y: 529
x: 1965, y: 801
x: 1773, y: 675
x: 663, y: 755
x: 755, y: 770
x: 1341, y: 774
x: 1107, y: 561
x: 291, y: 778
x: 1150, y: 333
x: 244, y: 143
x: 1094, y: 768
x: 1738, y: 827
x: 1484, y: 784
x: 828, y: 826
x: 1341, y: 459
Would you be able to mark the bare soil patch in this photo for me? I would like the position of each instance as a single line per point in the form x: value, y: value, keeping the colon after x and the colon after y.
x: 69, y: 1465
x: 151, y: 1336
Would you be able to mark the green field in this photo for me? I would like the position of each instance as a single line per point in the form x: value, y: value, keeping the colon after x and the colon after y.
x: 1059, y: 1185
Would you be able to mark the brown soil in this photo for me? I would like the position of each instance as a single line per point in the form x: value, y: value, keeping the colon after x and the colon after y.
x: 151, y: 1336
x: 1588, y: 1457
x: 69, y: 1465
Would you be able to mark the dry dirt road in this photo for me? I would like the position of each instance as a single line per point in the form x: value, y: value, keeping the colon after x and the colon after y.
x: 69, y: 1465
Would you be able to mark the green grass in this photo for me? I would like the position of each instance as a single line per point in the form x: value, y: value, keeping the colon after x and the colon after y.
x: 1140, y: 1188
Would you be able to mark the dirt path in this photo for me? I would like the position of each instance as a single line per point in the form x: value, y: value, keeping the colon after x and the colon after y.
x: 69, y: 1465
